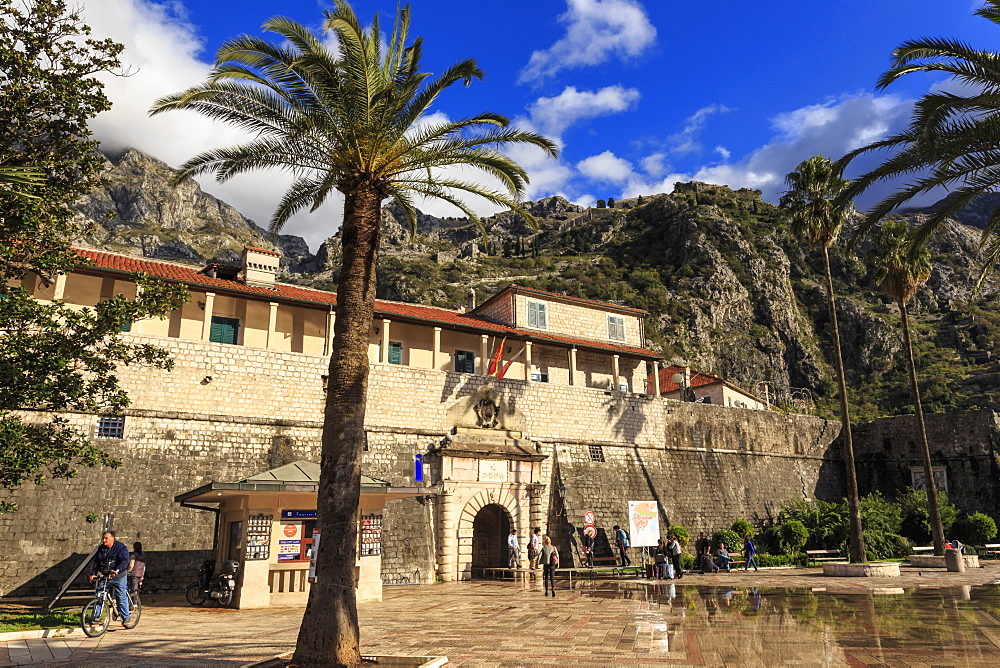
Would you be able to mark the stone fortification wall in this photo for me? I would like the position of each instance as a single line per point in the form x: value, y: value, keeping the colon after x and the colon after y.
x: 709, y: 466
x: 261, y: 409
x: 964, y: 443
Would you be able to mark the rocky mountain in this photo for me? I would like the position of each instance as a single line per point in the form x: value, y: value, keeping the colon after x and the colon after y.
x: 728, y: 288
x: 141, y: 212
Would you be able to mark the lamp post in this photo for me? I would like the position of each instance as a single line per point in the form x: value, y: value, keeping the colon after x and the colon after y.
x: 682, y: 380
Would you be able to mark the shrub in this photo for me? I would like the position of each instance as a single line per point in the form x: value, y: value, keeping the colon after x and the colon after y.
x: 683, y: 537
x: 742, y: 528
x: 885, y: 545
x: 687, y: 561
x: 793, y: 535
x: 915, y: 523
x: 729, y: 537
x: 980, y: 528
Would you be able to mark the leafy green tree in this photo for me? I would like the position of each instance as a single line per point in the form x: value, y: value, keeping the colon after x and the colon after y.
x: 683, y: 535
x: 980, y: 528
x: 809, y: 202
x: 601, y: 204
x: 732, y: 539
x: 951, y: 141
x: 901, y: 267
x: 742, y: 528
x: 793, y: 535
x: 54, y: 358
x: 915, y: 523
x: 611, y: 202
x: 352, y: 120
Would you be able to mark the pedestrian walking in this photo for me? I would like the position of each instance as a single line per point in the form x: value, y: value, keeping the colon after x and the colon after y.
x: 514, y: 550
x: 534, y: 547
x: 621, y: 542
x: 750, y: 554
x: 136, y: 567
x: 549, y: 558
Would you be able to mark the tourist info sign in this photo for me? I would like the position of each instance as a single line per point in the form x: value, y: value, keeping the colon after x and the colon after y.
x: 643, y: 523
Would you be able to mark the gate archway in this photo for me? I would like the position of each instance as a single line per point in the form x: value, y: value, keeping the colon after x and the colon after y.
x: 490, y: 529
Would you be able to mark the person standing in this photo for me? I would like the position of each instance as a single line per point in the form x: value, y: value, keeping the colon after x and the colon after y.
x: 587, y: 541
x: 674, y: 547
x: 750, y: 554
x: 514, y: 550
x: 112, y: 559
x: 621, y: 542
x: 136, y: 567
x: 703, y: 548
x: 549, y: 556
x: 661, y: 557
x: 534, y: 545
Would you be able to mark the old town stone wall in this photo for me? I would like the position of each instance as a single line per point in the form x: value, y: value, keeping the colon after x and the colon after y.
x: 965, y: 444
x: 227, y: 412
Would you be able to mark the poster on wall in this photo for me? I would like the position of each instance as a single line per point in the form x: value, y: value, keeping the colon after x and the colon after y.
x: 290, y: 541
x: 643, y: 523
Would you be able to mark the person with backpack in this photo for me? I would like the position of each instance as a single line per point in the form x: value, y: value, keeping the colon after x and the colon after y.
x: 750, y: 552
x: 549, y: 558
x: 621, y: 542
x: 674, y: 549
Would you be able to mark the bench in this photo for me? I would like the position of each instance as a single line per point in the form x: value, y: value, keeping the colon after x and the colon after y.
x: 596, y: 561
x: 823, y: 555
x: 992, y: 550
x: 926, y: 548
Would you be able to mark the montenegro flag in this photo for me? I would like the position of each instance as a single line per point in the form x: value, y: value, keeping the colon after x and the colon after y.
x: 497, y: 358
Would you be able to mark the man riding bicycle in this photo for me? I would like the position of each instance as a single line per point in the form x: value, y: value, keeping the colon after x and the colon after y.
x: 112, y: 560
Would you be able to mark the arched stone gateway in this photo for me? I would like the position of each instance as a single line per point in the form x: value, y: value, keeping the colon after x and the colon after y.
x: 490, y: 529
x: 496, y: 512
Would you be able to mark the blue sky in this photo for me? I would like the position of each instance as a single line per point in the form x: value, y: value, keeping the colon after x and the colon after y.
x: 640, y: 94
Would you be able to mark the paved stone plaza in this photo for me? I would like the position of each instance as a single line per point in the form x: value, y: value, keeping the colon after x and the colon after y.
x: 774, y: 617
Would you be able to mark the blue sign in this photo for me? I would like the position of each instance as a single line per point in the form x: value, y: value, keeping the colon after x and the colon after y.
x: 418, y: 468
x: 298, y: 514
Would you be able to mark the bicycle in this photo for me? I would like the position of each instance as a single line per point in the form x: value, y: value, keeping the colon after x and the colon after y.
x: 101, y: 609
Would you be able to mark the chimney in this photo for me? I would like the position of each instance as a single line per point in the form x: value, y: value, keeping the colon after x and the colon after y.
x: 260, y: 266
x: 472, y: 300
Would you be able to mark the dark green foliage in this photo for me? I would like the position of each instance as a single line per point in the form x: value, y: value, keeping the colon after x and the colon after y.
x: 980, y: 528
x: 611, y: 202
x: 733, y: 541
x: 793, y: 535
x: 742, y: 528
x: 914, y: 519
x: 683, y: 536
x: 55, y: 358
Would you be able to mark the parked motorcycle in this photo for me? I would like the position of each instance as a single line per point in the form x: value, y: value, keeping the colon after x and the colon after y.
x: 212, y: 586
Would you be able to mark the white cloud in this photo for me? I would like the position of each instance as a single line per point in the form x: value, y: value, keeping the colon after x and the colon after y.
x: 596, y: 30
x: 163, y: 50
x: 606, y: 167
x: 686, y: 141
x: 553, y: 115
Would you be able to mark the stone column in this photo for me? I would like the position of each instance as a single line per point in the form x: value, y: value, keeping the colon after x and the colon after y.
x: 383, y: 355
x: 331, y: 319
x: 572, y: 366
x: 656, y: 378
x: 614, y: 373
x: 436, y: 352
x: 206, y: 323
x: 447, y: 561
x: 59, y: 292
x: 527, y: 361
x: 485, y: 359
x: 272, y: 322
x: 536, y: 513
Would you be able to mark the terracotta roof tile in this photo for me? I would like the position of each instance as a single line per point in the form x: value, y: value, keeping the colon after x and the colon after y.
x: 262, y: 250
x: 283, y: 292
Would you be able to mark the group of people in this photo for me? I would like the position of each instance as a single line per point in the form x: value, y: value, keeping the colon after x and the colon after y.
x: 667, y: 558
x: 722, y: 557
x: 125, y: 570
x: 541, y: 551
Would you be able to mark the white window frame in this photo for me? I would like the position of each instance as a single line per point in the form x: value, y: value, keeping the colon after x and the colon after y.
x: 540, y: 308
x: 616, y: 323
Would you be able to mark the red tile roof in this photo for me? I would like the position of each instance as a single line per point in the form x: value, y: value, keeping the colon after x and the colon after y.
x: 291, y: 293
x: 697, y: 379
x: 262, y: 250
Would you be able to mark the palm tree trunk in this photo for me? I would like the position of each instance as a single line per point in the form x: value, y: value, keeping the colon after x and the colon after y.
x: 329, y: 634
x: 937, y: 528
x: 856, y: 549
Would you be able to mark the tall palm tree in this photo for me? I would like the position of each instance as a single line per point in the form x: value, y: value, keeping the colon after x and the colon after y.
x: 809, y: 201
x: 351, y: 120
x: 952, y: 141
x: 17, y: 176
x: 901, y: 268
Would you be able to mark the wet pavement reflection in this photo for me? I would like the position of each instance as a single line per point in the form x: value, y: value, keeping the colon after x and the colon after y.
x: 821, y: 626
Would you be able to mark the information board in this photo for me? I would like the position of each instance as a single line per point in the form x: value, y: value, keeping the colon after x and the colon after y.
x: 290, y: 541
x: 371, y: 535
x: 259, y: 537
x: 644, y: 523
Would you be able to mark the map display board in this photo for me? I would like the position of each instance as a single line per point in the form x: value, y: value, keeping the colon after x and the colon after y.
x: 643, y: 523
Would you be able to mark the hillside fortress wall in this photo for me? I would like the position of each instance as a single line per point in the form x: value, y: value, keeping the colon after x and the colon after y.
x: 227, y: 412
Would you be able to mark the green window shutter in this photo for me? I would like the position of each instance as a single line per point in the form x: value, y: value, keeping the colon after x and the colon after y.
x: 127, y: 327
x: 395, y: 352
x: 224, y: 330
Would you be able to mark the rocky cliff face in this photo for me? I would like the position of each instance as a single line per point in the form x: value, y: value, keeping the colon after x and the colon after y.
x: 141, y: 212
x: 728, y: 288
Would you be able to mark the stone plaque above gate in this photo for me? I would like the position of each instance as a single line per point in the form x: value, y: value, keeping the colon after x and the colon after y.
x: 493, y: 470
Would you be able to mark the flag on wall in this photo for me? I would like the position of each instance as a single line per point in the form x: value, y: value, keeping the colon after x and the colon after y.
x: 497, y: 358
x: 503, y: 371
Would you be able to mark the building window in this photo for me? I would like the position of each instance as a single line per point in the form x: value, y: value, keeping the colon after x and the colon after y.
x: 539, y: 377
x: 127, y: 327
x: 224, y: 330
x: 616, y: 328
x: 596, y: 453
x: 623, y: 386
x: 465, y: 361
x: 110, y: 426
x: 538, y: 314
x: 395, y: 352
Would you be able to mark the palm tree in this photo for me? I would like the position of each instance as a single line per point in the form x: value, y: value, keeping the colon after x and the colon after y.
x: 952, y: 141
x: 15, y: 175
x: 901, y: 267
x: 351, y: 120
x: 810, y: 204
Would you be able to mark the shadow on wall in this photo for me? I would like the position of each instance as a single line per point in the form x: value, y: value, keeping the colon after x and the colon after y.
x: 169, y: 570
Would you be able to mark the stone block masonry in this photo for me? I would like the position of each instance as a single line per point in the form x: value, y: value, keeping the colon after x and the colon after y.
x: 228, y: 412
